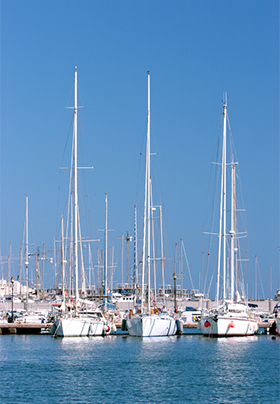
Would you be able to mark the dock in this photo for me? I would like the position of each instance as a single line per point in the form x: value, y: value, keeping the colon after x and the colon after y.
x: 44, y: 328
x: 24, y: 328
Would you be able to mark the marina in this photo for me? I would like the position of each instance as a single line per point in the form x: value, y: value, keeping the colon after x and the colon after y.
x: 139, y: 240
x: 139, y: 307
x: 263, y: 310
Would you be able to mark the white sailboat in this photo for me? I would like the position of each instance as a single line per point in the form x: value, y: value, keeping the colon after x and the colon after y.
x: 146, y: 324
x: 77, y: 322
x: 231, y: 317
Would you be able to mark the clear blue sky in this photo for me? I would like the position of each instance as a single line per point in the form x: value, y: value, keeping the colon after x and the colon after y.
x: 195, y: 51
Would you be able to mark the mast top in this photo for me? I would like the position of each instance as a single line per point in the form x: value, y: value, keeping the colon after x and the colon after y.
x: 225, y: 99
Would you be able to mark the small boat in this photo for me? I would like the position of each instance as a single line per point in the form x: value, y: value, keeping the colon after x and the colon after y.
x: 146, y: 324
x: 232, y: 316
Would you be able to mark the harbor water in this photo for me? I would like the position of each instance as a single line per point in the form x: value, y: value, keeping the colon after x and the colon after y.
x: 123, y: 369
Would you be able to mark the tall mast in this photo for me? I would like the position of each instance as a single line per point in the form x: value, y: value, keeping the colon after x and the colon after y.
x: 26, y: 247
x: 181, y: 280
x: 62, y: 262
x: 256, y: 279
x: 70, y: 268
x: 135, y: 269
x: 122, y: 237
x: 146, y: 208
x: 37, y: 269
x: 222, y: 220
x: 224, y: 197
x: 20, y: 269
x: 76, y: 188
x: 98, y: 270
x: 43, y: 271
x: 106, y: 252
x: 149, y: 199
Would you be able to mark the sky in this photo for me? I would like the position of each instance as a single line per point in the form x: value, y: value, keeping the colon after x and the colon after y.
x: 196, y: 51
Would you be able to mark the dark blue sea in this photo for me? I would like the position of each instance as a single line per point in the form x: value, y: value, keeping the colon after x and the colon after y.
x: 123, y: 369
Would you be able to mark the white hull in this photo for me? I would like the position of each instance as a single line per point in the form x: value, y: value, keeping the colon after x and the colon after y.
x: 151, y: 326
x: 79, y: 327
x: 225, y: 326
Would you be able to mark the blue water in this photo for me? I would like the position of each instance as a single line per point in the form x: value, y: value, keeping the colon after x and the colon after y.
x: 122, y: 369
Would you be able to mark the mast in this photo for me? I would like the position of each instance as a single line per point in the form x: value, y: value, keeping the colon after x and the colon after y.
x: 174, y: 277
x: 54, y: 262
x: 82, y: 266
x: 224, y: 197
x: 37, y: 269
x: 135, y: 269
x: 222, y: 221
x: 149, y: 199
x: 62, y: 263
x: 26, y: 247
x: 232, y: 232
x: 98, y: 270
x: 76, y: 189
x: 106, y: 252
x: 153, y: 246
x: 9, y: 263
x: 146, y: 203
x: 181, y: 279
x: 161, y: 249
x: 70, y: 267
x: 89, y: 267
x: 20, y: 270
x: 43, y: 270
x: 256, y: 279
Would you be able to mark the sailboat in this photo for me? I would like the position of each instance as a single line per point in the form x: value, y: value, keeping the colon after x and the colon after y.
x: 75, y: 321
x: 146, y: 324
x: 231, y: 316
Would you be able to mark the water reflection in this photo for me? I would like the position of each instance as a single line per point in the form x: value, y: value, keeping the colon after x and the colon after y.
x: 156, y: 340
x: 182, y: 369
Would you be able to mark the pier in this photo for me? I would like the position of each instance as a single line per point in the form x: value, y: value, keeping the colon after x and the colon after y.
x: 24, y: 328
x: 44, y: 328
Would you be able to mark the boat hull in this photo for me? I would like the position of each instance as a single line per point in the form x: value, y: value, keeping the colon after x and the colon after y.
x: 278, y: 325
x: 224, y: 326
x: 79, y: 327
x: 151, y: 326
